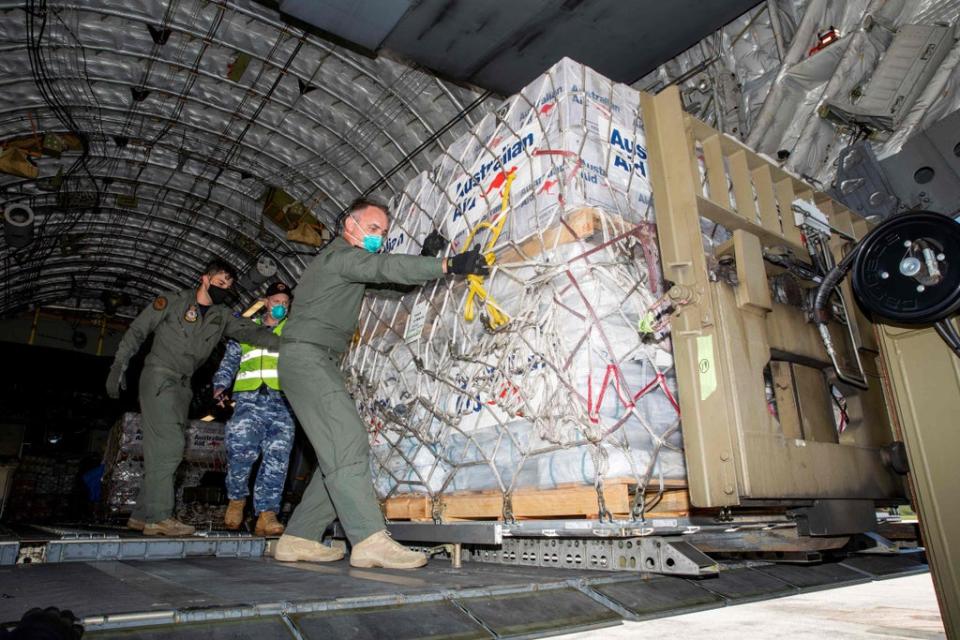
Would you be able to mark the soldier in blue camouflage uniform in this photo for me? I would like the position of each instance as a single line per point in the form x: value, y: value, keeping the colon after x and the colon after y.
x: 262, y: 423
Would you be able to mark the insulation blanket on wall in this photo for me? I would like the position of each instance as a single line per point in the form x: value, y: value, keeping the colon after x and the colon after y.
x: 552, y: 381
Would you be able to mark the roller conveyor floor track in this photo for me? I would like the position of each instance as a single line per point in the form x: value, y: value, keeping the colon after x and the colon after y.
x: 213, y: 598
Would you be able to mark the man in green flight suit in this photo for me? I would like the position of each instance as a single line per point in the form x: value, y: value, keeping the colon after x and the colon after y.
x: 187, y: 325
x: 329, y: 296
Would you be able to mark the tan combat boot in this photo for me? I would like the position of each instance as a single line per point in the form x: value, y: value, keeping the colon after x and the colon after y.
x: 233, y: 518
x: 267, y: 525
x: 294, y: 549
x: 135, y: 525
x: 379, y: 550
x: 169, y: 527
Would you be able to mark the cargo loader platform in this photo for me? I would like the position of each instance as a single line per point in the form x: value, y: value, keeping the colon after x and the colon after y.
x: 222, y: 586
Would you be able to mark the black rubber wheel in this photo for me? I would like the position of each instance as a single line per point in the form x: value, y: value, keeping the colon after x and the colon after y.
x: 884, y: 281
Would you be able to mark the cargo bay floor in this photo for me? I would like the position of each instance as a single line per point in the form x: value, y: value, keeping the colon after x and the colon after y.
x: 256, y: 597
x: 903, y: 608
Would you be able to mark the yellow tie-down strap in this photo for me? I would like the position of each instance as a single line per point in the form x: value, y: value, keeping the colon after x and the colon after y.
x: 498, y: 318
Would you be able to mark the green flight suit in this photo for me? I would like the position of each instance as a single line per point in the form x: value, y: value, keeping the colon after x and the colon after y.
x: 329, y: 296
x: 183, y: 340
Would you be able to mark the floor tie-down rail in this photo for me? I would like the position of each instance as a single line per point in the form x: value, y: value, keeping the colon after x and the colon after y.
x: 55, y: 544
x: 663, y: 547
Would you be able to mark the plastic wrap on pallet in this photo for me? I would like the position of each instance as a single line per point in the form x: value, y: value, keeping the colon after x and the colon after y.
x: 43, y: 488
x: 203, y: 452
x: 123, y: 484
x: 568, y: 391
x: 203, y: 440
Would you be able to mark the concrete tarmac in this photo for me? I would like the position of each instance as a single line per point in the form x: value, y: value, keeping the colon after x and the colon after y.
x: 897, y: 608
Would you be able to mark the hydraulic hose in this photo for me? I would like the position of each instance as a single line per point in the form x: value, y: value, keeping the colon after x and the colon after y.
x: 829, y: 283
x: 821, y: 316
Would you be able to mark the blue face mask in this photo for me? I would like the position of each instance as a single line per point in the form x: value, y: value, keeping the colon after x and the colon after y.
x: 278, y: 311
x: 372, y: 243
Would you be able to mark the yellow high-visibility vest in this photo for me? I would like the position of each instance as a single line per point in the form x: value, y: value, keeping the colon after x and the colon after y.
x: 258, y: 366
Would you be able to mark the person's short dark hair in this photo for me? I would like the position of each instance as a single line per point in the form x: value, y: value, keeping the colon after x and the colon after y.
x: 217, y: 265
x: 358, y: 205
x: 362, y: 203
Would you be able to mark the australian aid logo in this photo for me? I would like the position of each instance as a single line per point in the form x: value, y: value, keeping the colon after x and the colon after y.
x: 476, y: 195
x: 629, y: 152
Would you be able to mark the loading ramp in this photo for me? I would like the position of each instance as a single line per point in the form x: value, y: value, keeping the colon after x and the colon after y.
x: 212, y: 592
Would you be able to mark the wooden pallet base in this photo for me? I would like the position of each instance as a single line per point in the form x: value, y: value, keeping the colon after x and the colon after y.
x: 569, y: 501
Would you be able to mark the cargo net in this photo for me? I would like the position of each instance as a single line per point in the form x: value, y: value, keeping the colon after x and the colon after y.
x: 199, y: 497
x: 555, y: 369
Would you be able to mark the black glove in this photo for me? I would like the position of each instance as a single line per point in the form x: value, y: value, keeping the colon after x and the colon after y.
x: 468, y: 263
x: 47, y: 624
x: 433, y: 244
x: 115, y: 381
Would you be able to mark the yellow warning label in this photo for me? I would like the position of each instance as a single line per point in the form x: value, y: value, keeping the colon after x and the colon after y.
x: 707, y: 366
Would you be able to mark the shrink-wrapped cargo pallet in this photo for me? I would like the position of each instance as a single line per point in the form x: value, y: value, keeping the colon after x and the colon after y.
x: 552, y: 372
x: 43, y: 489
x: 203, y: 454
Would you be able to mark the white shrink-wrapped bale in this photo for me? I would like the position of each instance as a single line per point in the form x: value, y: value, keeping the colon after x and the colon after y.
x: 561, y: 376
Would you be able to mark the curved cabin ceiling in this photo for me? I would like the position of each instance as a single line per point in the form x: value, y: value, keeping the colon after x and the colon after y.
x: 176, y: 118
x: 147, y: 136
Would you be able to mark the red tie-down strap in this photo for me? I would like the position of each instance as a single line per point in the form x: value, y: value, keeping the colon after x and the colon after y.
x: 612, y: 372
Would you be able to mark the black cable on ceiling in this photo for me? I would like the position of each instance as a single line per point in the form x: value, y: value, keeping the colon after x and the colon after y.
x: 423, y: 146
x: 188, y: 85
x: 34, y: 10
x: 235, y: 141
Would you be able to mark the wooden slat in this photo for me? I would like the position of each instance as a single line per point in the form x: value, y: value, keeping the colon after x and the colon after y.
x: 672, y: 503
x: 716, y: 171
x: 730, y: 145
x: 553, y: 503
x: 824, y: 201
x: 752, y: 288
x: 742, y: 187
x: 804, y: 193
x: 575, y: 500
x: 784, y: 190
x: 732, y: 221
x: 410, y: 506
x: 766, y: 199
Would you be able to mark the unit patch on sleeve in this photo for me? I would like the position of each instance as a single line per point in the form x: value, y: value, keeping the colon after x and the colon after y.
x: 160, y: 303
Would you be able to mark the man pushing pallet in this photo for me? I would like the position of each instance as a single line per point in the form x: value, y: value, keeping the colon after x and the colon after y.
x: 329, y: 296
